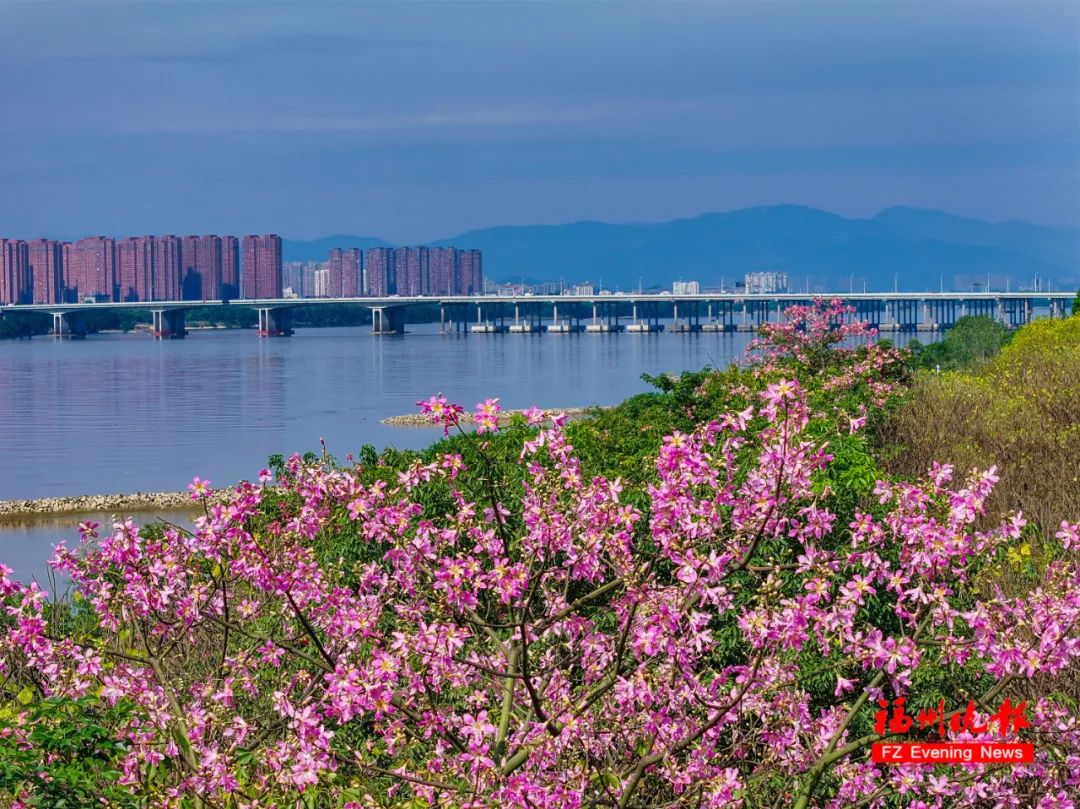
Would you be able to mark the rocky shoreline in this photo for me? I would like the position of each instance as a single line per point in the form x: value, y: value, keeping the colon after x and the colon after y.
x: 421, y: 420
x: 181, y: 501
x: 139, y: 501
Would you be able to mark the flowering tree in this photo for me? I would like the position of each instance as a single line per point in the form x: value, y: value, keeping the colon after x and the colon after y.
x: 556, y: 646
x: 808, y: 334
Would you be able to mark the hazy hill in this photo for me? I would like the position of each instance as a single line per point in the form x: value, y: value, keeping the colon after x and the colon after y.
x: 917, y: 249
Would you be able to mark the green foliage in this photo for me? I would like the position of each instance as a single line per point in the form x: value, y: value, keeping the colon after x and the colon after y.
x: 231, y: 317
x: 61, y: 753
x: 970, y: 341
x: 1018, y: 411
x: 1076, y: 303
x: 24, y: 324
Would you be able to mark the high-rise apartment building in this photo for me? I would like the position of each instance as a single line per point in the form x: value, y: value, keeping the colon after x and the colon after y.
x: 443, y: 271
x: 260, y: 266
x: 344, y: 279
x: 208, y: 266
x: 190, y: 280
x: 46, y: 263
x: 381, y: 272
x: 470, y: 272
x: 15, y: 283
x: 321, y: 283
x: 200, y: 277
x: 413, y: 266
x: 68, y: 294
x: 230, y: 268
x: 167, y: 260
x: 422, y: 271
x: 91, y: 272
x: 135, y: 268
x: 292, y: 278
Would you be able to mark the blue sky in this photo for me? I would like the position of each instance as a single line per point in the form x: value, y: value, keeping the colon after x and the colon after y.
x: 415, y: 121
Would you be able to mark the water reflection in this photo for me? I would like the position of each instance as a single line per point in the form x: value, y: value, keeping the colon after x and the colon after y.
x: 26, y: 544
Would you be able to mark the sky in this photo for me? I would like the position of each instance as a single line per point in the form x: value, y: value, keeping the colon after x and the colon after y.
x: 418, y: 121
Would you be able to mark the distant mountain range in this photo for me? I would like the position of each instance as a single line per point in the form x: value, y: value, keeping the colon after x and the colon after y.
x: 912, y: 248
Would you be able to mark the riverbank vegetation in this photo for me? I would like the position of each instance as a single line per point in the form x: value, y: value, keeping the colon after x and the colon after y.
x: 694, y: 599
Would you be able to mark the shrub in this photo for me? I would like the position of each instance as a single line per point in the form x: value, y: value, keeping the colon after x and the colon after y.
x: 1019, y: 412
x: 971, y: 341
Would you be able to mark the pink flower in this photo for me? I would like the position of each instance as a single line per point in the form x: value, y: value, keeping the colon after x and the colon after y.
x: 1069, y: 534
x: 441, y: 412
x: 199, y: 488
x: 487, y: 416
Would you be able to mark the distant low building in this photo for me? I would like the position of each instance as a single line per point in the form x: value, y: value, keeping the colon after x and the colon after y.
x: 764, y: 283
x: 686, y: 288
x: 322, y: 282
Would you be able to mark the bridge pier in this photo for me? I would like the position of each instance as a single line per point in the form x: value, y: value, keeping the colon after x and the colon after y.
x: 387, y: 320
x: 871, y: 312
x: 275, y: 321
x: 69, y: 325
x: 168, y: 324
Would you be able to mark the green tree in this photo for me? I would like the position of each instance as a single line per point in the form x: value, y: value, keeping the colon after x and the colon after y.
x: 971, y: 341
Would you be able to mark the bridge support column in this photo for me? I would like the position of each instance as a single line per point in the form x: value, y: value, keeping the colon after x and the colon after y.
x: 70, y: 325
x: 168, y: 324
x: 387, y: 321
x: 275, y: 322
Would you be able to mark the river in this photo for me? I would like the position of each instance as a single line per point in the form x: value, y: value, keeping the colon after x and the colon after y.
x: 125, y: 413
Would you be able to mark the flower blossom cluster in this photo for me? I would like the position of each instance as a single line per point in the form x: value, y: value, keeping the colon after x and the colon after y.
x: 559, y: 645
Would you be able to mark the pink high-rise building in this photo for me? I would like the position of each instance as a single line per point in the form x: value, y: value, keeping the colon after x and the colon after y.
x: 344, y: 278
x: 208, y: 264
x: 46, y: 261
x: 260, y: 266
x: 230, y: 268
x: 380, y: 272
x: 201, y: 275
x: 135, y: 268
x: 15, y: 283
x: 190, y: 280
x: 126, y: 251
x: 167, y: 255
x: 91, y: 272
x: 470, y: 272
x: 443, y: 271
x: 68, y: 293
x: 412, y: 270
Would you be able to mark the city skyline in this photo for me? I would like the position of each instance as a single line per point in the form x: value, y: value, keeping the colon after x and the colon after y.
x: 211, y: 267
x: 417, y: 121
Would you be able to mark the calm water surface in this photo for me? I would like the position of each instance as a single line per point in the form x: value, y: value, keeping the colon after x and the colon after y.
x: 119, y: 413
x: 124, y: 413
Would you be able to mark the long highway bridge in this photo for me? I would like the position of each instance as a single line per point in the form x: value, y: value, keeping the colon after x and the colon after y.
x: 607, y: 312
